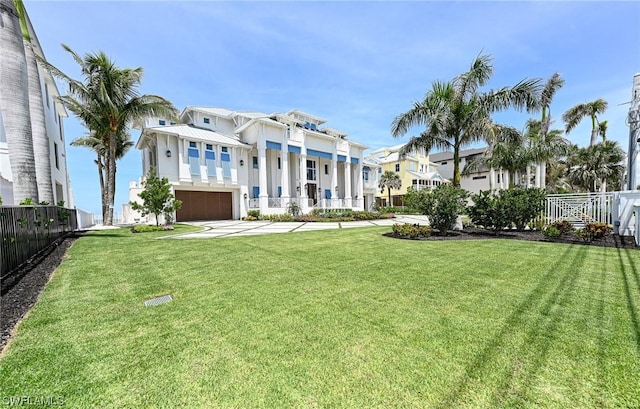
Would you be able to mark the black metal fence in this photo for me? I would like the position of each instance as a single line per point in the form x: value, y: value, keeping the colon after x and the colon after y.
x: 27, y: 232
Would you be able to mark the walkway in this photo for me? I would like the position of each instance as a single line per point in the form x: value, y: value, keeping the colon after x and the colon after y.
x: 235, y: 228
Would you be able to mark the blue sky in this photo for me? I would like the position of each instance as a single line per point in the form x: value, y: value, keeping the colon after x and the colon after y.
x: 357, y: 64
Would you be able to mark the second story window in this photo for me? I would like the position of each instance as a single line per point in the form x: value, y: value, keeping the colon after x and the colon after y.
x: 326, y: 169
x: 225, y: 157
x: 162, y: 122
x: 194, y: 158
x: 255, y: 162
x: 206, y: 120
x: 397, y: 167
x: 210, y: 160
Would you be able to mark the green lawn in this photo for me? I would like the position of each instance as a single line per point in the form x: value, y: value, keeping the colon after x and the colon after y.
x: 338, y: 318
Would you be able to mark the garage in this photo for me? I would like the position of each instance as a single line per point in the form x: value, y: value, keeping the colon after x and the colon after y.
x: 204, y: 205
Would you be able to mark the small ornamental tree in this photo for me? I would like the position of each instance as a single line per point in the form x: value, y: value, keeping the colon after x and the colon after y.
x: 156, y: 197
x: 443, y: 205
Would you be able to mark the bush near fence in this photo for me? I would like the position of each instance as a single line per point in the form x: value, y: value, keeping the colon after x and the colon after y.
x: 28, y: 231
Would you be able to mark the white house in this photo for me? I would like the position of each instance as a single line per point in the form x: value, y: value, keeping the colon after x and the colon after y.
x: 223, y: 163
x: 54, y: 112
x: 474, y: 182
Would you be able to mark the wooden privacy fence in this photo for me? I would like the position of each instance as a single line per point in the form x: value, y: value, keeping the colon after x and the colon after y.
x: 27, y: 231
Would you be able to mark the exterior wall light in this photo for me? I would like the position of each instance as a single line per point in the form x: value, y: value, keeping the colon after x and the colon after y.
x: 245, y: 196
x: 241, y: 164
x: 168, y: 153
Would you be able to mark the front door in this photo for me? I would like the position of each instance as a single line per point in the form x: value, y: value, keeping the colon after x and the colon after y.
x: 312, y: 192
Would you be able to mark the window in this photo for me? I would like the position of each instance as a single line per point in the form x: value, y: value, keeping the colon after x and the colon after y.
x: 256, y: 192
x: 210, y: 160
x: 206, y: 120
x: 194, y: 158
x: 55, y: 152
x: 326, y: 169
x: 443, y: 163
x: 311, y: 170
x: 46, y: 94
x: 226, y: 163
x: 255, y: 162
x: 412, y: 166
x: 365, y: 175
x: 498, y: 181
x: 397, y: 167
x: 172, y: 123
x: 479, y: 177
x: 225, y: 149
x: 279, y: 163
x: 162, y: 122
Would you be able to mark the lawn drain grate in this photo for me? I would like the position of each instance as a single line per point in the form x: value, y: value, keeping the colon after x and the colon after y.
x: 158, y: 300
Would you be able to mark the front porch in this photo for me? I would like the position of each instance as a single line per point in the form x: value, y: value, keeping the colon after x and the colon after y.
x: 280, y: 205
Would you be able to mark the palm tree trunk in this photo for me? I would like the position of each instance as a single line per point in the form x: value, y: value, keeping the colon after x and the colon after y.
x: 528, y: 176
x: 38, y: 128
x: 14, y: 102
x: 456, y: 166
x: 492, y: 177
x: 389, y: 190
x: 594, y: 131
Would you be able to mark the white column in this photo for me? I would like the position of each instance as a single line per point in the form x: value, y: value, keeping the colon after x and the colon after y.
x: 359, y: 185
x: 262, y: 177
x: 543, y: 175
x: 304, y: 205
x: 334, y: 178
x: 492, y: 178
x: 538, y: 175
x: 284, y: 174
x: 347, y: 183
x: 181, y: 153
x: 528, y: 175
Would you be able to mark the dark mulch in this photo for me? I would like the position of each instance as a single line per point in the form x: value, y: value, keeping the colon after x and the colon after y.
x: 613, y: 240
x: 18, y: 300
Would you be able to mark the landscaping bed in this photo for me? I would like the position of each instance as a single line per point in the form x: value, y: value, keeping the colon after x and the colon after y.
x: 474, y: 233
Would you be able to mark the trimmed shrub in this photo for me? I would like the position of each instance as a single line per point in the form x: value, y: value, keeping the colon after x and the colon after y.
x: 593, y: 231
x: 563, y: 226
x: 551, y: 232
x: 411, y: 230
x: 442, y: 204
x: 489, y: 211
x: 522, y: 205
x: 143, y: 228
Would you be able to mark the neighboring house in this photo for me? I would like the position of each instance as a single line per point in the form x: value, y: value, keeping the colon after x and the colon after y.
x: 223, y: 163
x: 476, y: 181
x: 415, y: 169
x: 53, y: 114
x: 371, y: 172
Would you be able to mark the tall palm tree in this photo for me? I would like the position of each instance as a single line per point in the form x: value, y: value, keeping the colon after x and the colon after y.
x: 553, y: 84
x: 107, y: 102
x: 14, y: 102
x: 602, y: 129
x: 97, y: 145
x: 456, y: 113
x: 577, y: 113
x: 596, y: 165
x: 389, y: 180
x: 545, y: 145
x: 41, y: 149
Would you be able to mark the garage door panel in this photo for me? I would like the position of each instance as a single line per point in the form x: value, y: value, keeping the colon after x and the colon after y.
x: 197, y: 205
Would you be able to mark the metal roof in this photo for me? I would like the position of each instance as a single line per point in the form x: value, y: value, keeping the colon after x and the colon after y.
x: 440, y: 156
x: 191, y: 132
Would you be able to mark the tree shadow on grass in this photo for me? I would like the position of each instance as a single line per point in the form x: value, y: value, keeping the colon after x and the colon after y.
x: 631, y: 282
x: 549, y: 304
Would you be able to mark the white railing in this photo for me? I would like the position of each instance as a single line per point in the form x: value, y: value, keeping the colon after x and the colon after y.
x: 118, y: 218
x: 254, y: 203
x: 580, y: 208
x: 275, y: 202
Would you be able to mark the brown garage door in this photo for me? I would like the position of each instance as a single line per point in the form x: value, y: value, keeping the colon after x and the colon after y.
x: 204, y: 205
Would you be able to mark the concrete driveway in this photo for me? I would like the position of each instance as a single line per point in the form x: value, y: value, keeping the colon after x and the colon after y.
x: 235, y: 228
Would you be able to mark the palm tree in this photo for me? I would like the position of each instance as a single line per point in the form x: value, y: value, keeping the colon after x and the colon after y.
x: 14, y: 102
x: 545, y: 145
x: 97, y: 145
x: 36, y: 111
x: 596, y: 165
x: 507, y: 150
x: 456, y: 113
x: 553, y: 84
x: 591, y: 109
x: 602, y: 129
x: 108, y: 102
x: 389, y: 180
